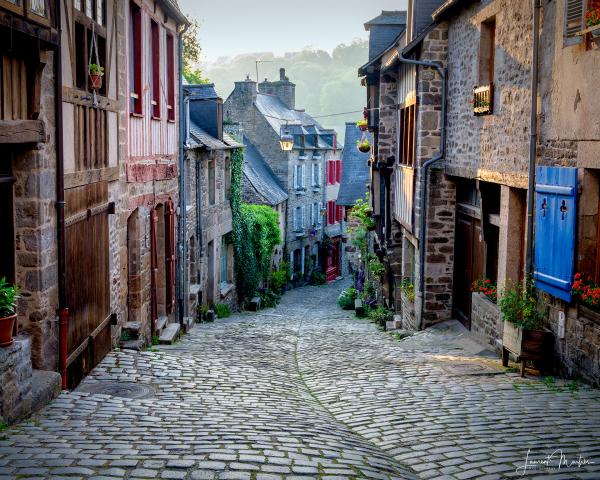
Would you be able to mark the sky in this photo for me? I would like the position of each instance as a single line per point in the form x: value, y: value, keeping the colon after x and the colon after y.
x: 232, y: 27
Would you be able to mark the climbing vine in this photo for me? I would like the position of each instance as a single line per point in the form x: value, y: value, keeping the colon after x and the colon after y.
x: 255, y: 234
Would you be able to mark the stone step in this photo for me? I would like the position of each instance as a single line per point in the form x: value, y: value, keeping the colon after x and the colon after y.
x: 188, y: 324
x: 160, y: 324
x: 135, y: 344
x: 170, y: 334
x: 133, y: 329
x: 45, y: 387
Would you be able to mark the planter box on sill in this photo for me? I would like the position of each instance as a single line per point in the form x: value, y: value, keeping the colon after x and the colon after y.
x: 527, y: 345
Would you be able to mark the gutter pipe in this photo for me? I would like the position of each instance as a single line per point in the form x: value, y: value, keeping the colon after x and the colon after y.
x: 424, y: 171
x: 182, y: 240
x: 63, y: 310
x: 532, y: 140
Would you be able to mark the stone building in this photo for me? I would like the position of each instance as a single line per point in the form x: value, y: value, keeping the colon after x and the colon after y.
x: 354, y: 185
x: 209, y: 260
x: 150, y: 148
x: 261, y: 187
x: 265, y: 114
x: 476, y: 200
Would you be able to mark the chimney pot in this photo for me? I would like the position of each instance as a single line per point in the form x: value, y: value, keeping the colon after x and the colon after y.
x: 282, y: 74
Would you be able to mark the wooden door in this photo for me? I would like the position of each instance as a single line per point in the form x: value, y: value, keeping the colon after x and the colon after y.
x: 87, y: 279
x: 468, y: 265
x: 153, y: 270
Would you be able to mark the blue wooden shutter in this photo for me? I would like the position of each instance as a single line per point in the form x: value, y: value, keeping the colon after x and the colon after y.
x: 556, y: 212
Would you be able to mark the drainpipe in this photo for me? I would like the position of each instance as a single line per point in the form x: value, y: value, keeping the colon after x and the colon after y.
x: 424, y: 175
x: 63, y: 310
x: 182, y: 240
x: 532, y: 140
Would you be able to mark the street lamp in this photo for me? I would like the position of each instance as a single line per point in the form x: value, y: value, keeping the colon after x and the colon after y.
x: 286, y: 141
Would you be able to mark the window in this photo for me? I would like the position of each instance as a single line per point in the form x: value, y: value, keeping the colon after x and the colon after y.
x: 315, y: 214
x: 170, y: 77
x: 299, y: 177
x: 316, y: 175
x: 574, y: 21
x: 487, y: 52
x: 211, y: 182
x: 135, y: 58
x: 298, y: 219
x: 155, y: 68
x: 224, y: 261
x: 331, y: 212
x: 406, y: 135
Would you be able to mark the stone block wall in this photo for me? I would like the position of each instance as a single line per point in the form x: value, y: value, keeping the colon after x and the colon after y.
x: 486, y: 321
x: 15, y: 379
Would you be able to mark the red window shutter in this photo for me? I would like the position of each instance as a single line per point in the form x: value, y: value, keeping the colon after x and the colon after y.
x: 135, y: 58
x: 153, y: 269
x: 155, y: 71
x: 171, y: 77
x: 330, y: 178
x: 339, y: 212
x: 170, y: 254
x: 338, y: 172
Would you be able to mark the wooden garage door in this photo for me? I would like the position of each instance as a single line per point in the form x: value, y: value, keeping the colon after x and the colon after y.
x: 87, y: 279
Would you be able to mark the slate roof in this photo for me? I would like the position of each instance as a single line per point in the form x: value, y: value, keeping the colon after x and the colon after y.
x: 296, y: 122
x: 384, y: 30
x: 172, y: 8
x: 202, y: 91
x: 355, y: 169
x: 199, y: 138
x: 260, y: 175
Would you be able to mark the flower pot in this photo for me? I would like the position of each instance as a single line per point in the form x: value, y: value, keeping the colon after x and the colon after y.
x: 7, y: 325
x: 364, y: 148
x: 95, y: 81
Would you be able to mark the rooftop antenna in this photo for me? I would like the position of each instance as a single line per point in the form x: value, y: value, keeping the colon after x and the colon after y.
x: 257, y: 62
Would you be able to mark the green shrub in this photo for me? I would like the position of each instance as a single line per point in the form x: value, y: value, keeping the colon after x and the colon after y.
x: 346, y: 299
x: 201, y: 312
x: 222, y: 310
x: 9, y: 294
x: 380, y: 315
x: 279, y: 278
x: 519, y: 306
x: 318, y: 278
x: 376, y: 267
x: 269, y: 298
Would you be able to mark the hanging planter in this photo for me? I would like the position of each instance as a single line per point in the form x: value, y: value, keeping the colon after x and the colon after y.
x: 363, y: 125
x: 96, y: 74
x: 363, y: 145
x: 8, y: 304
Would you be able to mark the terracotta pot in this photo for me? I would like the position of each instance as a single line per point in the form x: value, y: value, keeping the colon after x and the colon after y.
x: 364, y: 148
x: 363, y: 128
x: 6, y: 329
x: 95, y: 81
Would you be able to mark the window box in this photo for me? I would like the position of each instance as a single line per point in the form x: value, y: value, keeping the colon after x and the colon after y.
x: 594, y: 30
x: 588, y: 312
x: 532, y: 345
x: 483, y: 100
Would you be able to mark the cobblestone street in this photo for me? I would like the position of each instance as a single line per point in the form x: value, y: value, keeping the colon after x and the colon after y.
x: 307, y: 391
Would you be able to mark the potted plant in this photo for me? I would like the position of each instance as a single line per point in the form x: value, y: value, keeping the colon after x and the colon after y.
x: 523, y: 334
x: 487, y: 288
x: 363, y: 125
x: 9, y: 295
x: 96, y: 74
x: 364, y: 145
x: 587, y: 294
x: 592, y: 18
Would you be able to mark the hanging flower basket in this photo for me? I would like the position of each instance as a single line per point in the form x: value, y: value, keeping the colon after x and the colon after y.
x: 96, y: 74
x: 363, y: 146
x: 363, y: 125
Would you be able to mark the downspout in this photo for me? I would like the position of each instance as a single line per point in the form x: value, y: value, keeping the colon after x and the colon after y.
x: 63, y: 310
x: 182, y: 240
x: 424, y: 175
x: 532, y: 141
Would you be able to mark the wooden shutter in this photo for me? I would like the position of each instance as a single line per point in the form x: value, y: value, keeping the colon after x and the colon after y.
x: 338, y: 171
x: 170, y: 254
x: 153, y: 269
x: 555, y: 222
x: 574, y: 21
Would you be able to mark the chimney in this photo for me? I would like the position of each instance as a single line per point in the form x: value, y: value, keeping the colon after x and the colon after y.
x: 245, y: 91
x: 283, y: 88
x: 282, y: 76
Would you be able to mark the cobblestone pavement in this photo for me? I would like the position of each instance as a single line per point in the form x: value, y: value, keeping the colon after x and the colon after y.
x: 306, y: 391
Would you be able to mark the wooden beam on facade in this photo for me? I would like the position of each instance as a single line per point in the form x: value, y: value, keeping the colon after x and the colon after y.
x: 22, y: 131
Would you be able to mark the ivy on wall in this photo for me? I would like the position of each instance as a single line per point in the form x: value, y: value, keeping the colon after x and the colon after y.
x: 255, y: 234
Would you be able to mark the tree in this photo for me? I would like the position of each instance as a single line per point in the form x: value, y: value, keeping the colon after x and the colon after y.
x: 191, y: 54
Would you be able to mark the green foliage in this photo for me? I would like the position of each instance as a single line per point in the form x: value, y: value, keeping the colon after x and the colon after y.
x: 155, y: 340
x: 408, y: 288
x: 96, y: 69
x: 368, y: 291
x: 380, y: 315
x: 318, y: 278
x: 222, y: 310
x: 519, y: 306
x: 9, y: 294
x: 191, y: 54
x: 280, y: 278
x: 346, y: 299
x: 376, y: 267
x: 201, y: 312
x: 269, y: 298
x: 125, y: 336
x: 361, y: 212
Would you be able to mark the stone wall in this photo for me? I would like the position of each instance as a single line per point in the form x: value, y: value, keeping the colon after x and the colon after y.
x: 494, y: 147
x: 15, y: 376
x: 486, y: 321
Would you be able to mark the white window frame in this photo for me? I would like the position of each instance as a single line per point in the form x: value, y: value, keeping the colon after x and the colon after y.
x: 316, y: 174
